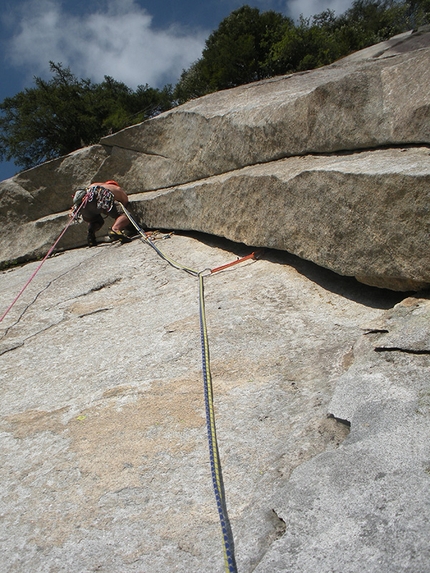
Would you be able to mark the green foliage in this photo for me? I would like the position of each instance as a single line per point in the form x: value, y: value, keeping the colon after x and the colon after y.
x: 237, y: 52
x: 415, y: 13
x: 249, y: 45
x: 48, y: 120
x: 307, y: 45
x: 61, y: 115
x: 65, y: 113
x: 192, y: 83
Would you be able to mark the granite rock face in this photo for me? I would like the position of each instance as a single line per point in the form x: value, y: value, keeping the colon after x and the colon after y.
x: 320, y: 380
x: 376, y: 520
x: 321, y: 400
x: 348, y: 106
x: 308, y: 163
x: 364, y: 215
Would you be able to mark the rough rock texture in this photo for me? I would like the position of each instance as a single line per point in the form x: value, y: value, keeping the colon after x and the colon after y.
x: 350, y: 105
x: 376, y: 520
x: 322, y: 396
x: 30, y: 203
x: 368, y: 213
x: 376, y: 99
x: 104, y: 454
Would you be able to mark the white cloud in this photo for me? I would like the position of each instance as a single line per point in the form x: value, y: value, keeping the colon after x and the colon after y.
x: 312, y: 7
x: 118, y: 42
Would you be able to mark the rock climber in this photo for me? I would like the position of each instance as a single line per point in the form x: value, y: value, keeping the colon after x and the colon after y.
x: 102, y: 199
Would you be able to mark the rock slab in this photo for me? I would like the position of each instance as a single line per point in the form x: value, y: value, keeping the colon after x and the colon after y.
x: 351, y: 105
x: 104, y: 454
x: 377, y: 99
x: 102, y: 421
x: 367, y: 212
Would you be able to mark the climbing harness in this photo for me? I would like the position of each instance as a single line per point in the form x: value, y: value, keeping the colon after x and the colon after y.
x: 105, y: 198
x: 215, y: 463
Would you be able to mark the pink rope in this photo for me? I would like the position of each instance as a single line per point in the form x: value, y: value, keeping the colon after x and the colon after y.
x: 43, y: 260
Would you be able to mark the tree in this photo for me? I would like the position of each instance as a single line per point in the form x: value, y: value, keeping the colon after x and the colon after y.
x: 48, y: 120
x: 373, y: 21
x: 249, y: 45
x: 120, y: 107
x: 418, y: 12
x: 308, y: 45
x: 65, y: 113
x: 322, y: 39
x: 234, y: 54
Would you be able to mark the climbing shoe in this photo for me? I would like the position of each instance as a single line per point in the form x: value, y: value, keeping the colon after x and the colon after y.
x: 118, y: 236
x: 91, y: 238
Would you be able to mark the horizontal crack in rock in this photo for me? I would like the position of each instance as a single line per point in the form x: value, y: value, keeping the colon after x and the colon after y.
x: 346, y: 423
x: 10, y: 348
x: 94, y: 312
x: 398, y: 349
x: 104, y: 285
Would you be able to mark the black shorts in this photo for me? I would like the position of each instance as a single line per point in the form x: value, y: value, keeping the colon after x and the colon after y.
x: 92, y: 214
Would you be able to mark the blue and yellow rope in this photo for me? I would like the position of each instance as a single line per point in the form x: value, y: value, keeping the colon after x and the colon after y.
x: 218, y: 485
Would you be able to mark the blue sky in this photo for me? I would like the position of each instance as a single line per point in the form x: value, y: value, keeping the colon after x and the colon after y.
x: 137, y: 42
